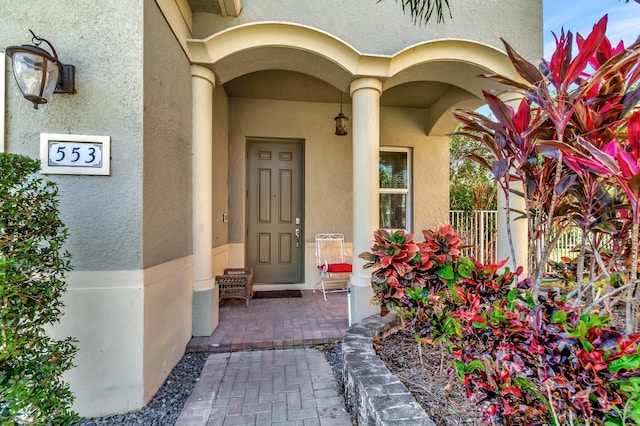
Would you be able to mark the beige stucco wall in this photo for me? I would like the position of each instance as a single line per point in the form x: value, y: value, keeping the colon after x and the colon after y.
x: 166, y: 165
x: 328, y: 162
x: 134, y: 85
x: 220, y: 166
x: 104, y: 311
x: 167, y: 320
x: 104, y: 42
x: 167, y: 201
x: 132, y: 328
x: 404, y: 127
x: 328, y: 180
x: 327, y: 203
x: 382, y: 28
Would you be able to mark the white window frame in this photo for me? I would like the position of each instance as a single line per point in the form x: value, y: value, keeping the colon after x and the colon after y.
x: 408, y: 190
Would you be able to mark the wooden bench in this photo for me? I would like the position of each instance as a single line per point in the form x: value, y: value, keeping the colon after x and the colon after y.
x: 236, y: 283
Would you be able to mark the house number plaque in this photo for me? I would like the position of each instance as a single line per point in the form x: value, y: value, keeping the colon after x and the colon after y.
x: 74, y: 154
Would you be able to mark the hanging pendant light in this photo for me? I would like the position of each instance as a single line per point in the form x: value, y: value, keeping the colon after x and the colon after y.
x: 341, y: 121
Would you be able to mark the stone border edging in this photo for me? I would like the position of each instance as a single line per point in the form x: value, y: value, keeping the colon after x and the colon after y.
x: 372, y: 393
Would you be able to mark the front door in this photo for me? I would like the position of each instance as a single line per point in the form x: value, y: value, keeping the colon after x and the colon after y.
x: 275, y: 242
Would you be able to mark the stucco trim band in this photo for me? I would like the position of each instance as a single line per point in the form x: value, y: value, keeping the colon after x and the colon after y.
x: 93, y: 280
x: 132, y: 328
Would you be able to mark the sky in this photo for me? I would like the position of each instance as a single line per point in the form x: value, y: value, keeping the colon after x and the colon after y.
x: 579, y: 16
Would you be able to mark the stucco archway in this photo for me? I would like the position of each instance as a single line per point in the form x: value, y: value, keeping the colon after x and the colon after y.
x: 250, y: 48
x: 254, y: 52
x: 256, y: 47
x: 276, y: 45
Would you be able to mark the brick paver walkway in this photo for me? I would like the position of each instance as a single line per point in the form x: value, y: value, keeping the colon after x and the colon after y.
x: 276, y: 379
x: 276, y: 323
x: 266, y: 387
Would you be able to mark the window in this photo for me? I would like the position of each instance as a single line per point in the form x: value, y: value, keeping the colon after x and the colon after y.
x: 395, y: 188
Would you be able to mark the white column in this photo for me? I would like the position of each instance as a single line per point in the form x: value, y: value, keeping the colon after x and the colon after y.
x: 519, y: 230
x: 205, y: 293
x: 365, y: 94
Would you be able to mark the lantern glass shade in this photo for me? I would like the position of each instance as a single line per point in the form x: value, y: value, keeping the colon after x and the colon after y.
x: 341, y: 124
x: 35, y: 71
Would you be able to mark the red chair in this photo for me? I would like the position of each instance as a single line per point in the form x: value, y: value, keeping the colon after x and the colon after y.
x: 333, y: 264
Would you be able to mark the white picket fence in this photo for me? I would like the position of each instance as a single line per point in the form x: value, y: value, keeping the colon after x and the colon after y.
x: 478, y: 232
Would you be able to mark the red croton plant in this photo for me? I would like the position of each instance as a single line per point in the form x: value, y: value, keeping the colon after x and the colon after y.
x: 527, y: 363
x: 573, y: 142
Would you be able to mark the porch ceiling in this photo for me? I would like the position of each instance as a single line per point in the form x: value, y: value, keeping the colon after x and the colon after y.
x: 295, y: 86
x: 451, y: 73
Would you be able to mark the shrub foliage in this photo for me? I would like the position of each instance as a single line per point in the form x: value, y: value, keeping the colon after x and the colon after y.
x: 573, y: 146
x: 528, y: 362
x: 32, y: 268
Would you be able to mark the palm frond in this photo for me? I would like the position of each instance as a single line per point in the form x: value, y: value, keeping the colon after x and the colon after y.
x: 422, y: 11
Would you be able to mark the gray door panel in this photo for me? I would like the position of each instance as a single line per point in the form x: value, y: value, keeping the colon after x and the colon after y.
x: 274, y: 202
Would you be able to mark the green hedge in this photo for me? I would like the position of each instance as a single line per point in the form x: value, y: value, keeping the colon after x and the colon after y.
x: 32, y: 269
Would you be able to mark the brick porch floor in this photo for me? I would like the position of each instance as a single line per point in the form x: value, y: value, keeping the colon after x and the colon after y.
x: 276, y: 323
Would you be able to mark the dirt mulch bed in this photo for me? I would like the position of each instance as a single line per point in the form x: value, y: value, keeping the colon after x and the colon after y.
x: 433, y: 384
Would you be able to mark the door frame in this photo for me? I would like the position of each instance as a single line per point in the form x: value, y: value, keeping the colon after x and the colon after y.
x: 301, y: 143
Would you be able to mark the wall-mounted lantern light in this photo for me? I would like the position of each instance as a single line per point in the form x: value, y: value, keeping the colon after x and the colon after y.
x: 40, y: 73
x: 341, y: 121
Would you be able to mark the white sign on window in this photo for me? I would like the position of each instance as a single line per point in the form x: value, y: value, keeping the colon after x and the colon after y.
x: 75, y: 154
